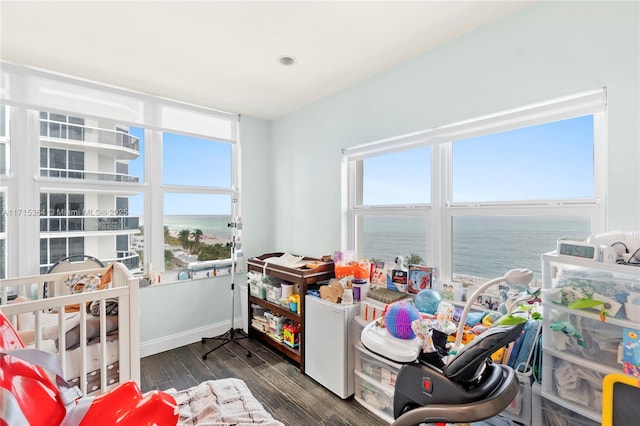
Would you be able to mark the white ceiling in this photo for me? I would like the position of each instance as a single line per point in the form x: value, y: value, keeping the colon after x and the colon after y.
x: 224, y: 55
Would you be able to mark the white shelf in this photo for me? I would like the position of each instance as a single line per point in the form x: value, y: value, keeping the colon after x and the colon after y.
x: 599, y: 277
x: 582, y: 361
x: 591, y: 264
x: 591, y: 314
x: 384, y: 416
x: 591, y: 414
x: 382, y: 392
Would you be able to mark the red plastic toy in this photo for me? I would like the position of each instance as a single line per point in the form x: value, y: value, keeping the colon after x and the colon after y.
x: 38, y: 397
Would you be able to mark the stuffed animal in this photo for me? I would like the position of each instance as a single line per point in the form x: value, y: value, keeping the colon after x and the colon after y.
x: 332, y: 292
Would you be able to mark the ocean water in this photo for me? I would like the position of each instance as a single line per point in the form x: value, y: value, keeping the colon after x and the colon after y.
x: 208, y: 224
x: 482, y: 246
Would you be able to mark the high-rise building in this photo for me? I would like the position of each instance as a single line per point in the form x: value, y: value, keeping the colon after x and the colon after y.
x: 93, y: 220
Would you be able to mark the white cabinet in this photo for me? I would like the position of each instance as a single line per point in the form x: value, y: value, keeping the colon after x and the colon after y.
x: 579, y: 349
x: 329, y: 344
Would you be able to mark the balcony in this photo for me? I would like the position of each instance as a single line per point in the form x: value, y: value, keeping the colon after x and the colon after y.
x: 128, y: 258
x: 90, y: 175
x: 80, y: 133
x: 88, y: 223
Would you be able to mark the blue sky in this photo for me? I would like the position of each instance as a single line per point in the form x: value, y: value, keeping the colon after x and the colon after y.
x: 548, y: 161
x: 188, y: 161
x: 553, y: 160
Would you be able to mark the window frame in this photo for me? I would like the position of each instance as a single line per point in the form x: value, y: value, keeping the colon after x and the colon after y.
x: 441, y: 211
x: 30, y: 91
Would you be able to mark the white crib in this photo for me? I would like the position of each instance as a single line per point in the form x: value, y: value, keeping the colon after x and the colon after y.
x: 91, y: 348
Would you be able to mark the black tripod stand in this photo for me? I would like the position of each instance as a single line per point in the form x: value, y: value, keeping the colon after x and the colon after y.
x: 233, y: 335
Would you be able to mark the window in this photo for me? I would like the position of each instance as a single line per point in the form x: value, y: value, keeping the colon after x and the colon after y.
x: 398, y: 178
x: 58, y: 163
x: 76, y: 162
x: 3, y: 122
x: 122, y: 206
x: 519, y: 164
x: 3, y: 159
x: 96, y: 144
x: 195, y: 161
x: 479, y: 198
x: 4, y: 133
x: 3, y: 260
x: 383, y: 227
x: 122, y: 243
x: 61, y: 126
x: 197, y: 211
x: 197, y: 233
x: 380, y: 234
x: 54, y: 249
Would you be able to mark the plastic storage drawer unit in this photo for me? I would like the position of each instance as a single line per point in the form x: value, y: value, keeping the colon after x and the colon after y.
x: 588, y: 319
x: 374, y: 396
x: 592, y: 340
x: 520, y: 408
x: 546, y: 412
x: 575, y: 383
x: 375, y: 367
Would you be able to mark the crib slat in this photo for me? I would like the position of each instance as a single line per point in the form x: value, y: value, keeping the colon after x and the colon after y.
x: 124, y: 288
x: 103, y: 345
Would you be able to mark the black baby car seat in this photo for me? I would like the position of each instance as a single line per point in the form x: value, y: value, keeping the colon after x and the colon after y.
x: 470, y: 388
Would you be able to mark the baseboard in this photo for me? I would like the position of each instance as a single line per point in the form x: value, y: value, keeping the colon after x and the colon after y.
x: 183, y: 338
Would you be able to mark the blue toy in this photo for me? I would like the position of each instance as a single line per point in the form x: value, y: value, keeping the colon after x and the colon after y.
x: 427, y: 301
x: 398, y: 319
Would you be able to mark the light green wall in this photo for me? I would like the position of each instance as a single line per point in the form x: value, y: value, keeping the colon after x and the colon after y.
x: 291, y: 167
x: 205, y: 305
x: 545, y: 51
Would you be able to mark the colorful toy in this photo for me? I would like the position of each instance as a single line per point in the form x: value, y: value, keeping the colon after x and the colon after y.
x: 427, y: 301
x: 291, y: 335
x: 631, y: 352
x: 569, y: 330
x: 332, y: 292
x: 591, y: 303
x: 398, y: 319
x: 29, y: 396
x: 294, y: 302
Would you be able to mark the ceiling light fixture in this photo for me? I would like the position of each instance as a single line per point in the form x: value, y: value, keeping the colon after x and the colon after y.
x: 287, y: 61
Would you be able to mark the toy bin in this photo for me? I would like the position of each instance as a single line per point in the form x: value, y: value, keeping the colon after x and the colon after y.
x: 375, y: 397
x: 258, y: 310
x: 520, y: 408
x: 578, y: 385
x: 375, y: 367
x: 600, y: 341
x: 273, y: 294
x: 258, y: 290
x: 291, y: 335
x: 546, y: 412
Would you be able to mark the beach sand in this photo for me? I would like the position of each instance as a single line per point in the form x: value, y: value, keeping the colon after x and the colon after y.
x: 208, y: 239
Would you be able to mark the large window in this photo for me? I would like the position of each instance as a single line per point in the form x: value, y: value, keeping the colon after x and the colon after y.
x: 384, y: 228
x: 198, y: 172
x: 54, y: 249
x: 108, y: 163
x: 3, y: 139
x: 478, y: 198
x: 3, y: 216
x: 4, y: 143
x: 61, y: 163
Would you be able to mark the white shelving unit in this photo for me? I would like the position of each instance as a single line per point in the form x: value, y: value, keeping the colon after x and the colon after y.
x: 584, y: 349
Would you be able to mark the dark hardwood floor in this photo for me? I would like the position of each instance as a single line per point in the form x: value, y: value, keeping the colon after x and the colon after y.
x: 291, y: 397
